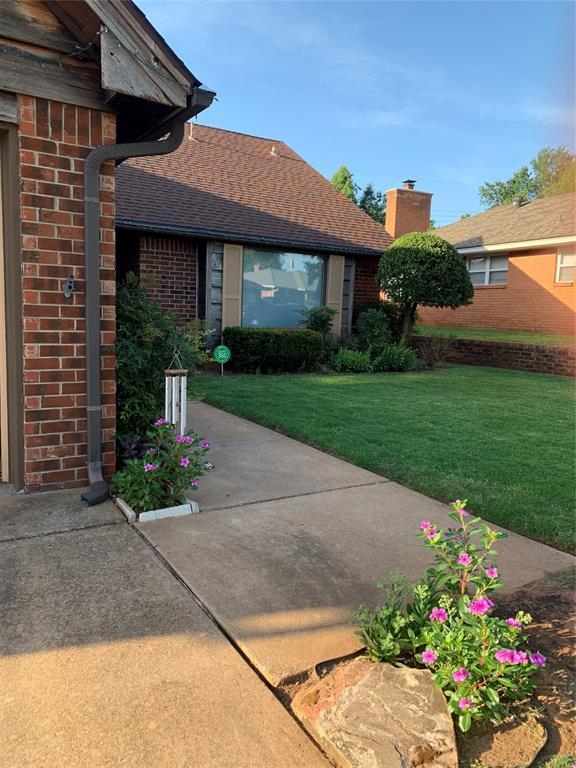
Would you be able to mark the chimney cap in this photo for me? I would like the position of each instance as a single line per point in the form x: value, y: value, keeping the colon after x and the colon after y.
x: 409, y: 183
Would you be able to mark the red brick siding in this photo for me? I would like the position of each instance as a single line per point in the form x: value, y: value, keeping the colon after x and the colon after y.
x: 407, y: 210
x: 169, y: 271
x: 54, y: 140
x: 531, y: 300
x: 365, y: 289
x: 560, y: 361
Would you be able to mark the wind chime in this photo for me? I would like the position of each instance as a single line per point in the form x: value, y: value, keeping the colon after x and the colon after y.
x: 175, y: 394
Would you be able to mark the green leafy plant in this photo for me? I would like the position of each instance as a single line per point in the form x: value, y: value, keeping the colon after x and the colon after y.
x: 432, y: 350
x: 172, y: 464
x: 146, y: 337
x: 320, y: 319
x: 270, y: 350
x: 372, y: 329
x: 390, y: 312
x: 445, y: 623
x: 352, y: 361
x: 393, y: 357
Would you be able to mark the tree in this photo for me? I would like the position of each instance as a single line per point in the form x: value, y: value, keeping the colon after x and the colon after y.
x: 373, y: 203
x: 344, y: 182
x: 422, y: 268
x: 553, y: 173
x: 465, y: 216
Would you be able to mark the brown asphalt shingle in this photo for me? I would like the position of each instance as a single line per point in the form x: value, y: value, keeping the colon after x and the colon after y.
x: 546, y: 218
x: 245, y: 188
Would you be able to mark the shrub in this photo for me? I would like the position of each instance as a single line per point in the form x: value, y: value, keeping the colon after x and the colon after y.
x: 431, y: 349
x: 393, y: 357
x: 392, y: 312
x: 270, y: 350
x: 444, y: 623
x: 172, y: 463
x: 320, y: 319
x: 352, y: 361
x: 373, y: 330
x: 146, y: 338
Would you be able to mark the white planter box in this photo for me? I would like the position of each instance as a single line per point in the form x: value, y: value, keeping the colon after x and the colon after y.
x: 190, y: 508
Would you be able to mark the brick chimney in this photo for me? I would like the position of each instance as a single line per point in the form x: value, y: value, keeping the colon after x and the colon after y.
x: 407, y: 209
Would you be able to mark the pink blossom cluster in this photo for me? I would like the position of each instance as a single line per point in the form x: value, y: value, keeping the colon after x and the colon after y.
x: 150, y: 467
x: 438, y: 614
x: 480, y: 606
x: 184, y: 439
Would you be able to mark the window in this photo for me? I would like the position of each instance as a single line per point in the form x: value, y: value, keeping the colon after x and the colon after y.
x: 565, y: 262
x: 277, y: 286
x: 488, y: 270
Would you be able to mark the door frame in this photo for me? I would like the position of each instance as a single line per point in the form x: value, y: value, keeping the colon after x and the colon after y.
x: 12, y: 405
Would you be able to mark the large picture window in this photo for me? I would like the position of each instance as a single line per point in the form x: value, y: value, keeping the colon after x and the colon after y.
x: 277, y: 286
x: 488, y: 270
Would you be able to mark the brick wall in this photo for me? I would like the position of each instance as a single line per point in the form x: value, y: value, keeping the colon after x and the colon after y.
x: 407, y: 210
x: 54, y: 141
x: 560, y: 361
x: 530, y: 301
x: 365, y: 289
x: 169, y: 271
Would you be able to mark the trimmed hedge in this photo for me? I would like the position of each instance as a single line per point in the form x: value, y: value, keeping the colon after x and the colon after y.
x: 274, y: 350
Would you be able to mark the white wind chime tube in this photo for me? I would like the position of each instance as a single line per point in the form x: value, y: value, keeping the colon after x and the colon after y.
x: 175, y: 398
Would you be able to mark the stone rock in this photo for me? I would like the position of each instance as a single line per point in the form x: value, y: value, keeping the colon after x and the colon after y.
x: 367, y: 715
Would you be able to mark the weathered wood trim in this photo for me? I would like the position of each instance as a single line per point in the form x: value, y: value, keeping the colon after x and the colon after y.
x: 8, y: 107
x: 25, y: 22
x: 46, y: 79
x: 334, y: 286
x: 232, y: 285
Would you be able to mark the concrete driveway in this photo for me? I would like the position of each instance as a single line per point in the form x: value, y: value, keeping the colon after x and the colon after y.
x: 107, y: 661
x: 291, y: 540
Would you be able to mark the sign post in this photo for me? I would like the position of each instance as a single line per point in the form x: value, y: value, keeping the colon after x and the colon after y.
x: 221, y: 354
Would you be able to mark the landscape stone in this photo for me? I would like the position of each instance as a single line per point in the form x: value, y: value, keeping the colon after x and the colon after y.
x: 374, y: 715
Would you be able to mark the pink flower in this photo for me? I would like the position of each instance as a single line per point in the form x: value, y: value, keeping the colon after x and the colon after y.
x: 150, y: 467
x: 480, y: 606
x: 464, y: 559
x: 519, y: 657
x: 460, y: 675
x: 514, y: 623
x: 194, y: 483
x: 429, y: 656
x: 160, y: 422
x: 463, y: 512
x: 464, y: 703
x: 438, y: 614
x: 432, y: 533
x: 205, y: 444
x: 425, y: 525
x: 509, y: 656
x: 185, y: 461
x: 492, y: 573
x: 180, y: 439
x: 538, y: 659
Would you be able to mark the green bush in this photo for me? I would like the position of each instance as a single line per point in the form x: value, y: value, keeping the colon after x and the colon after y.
x: 320, y: 319
x: 373, y: 330
x: 271, y: 350
x: 352, y: 361
x: 393, y: 357
x: 146, y: 337
x: 388, y: 310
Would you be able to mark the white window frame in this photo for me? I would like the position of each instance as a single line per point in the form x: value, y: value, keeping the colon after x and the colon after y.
x: 488, y: 267
x: 560, y: 256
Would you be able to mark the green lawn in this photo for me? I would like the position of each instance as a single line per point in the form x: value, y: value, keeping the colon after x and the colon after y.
x: 502, y: 439
x: 491, y: 334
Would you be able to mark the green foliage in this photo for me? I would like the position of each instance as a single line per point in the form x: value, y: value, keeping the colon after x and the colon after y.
x: 431, y: 350
x: 270, y: 350
x: 146, y: 337
x: 394, y: 357
x: 352, y: 361
x: 444, y: 622
x: 553, y: 173
x: 422, y: 268
x: 373, y: 203
x: 344, y: 183
x: 372, y: 329
x: 172, y: 464
x: 320, y: 319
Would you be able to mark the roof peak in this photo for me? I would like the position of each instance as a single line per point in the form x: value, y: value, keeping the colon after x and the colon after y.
x: 236, y: 133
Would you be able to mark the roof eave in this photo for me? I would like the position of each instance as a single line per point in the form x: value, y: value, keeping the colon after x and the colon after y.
x: 519, y: 245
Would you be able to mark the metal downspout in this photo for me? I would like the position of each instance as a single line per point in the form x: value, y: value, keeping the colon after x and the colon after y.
x: 98, y: 491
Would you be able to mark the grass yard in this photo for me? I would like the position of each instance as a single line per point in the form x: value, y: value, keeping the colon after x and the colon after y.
x: 491, y: 334
x: 502, y: 439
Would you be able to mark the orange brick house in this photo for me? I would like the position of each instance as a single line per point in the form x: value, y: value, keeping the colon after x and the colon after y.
x: 83, y: 85
x: 521, y: 259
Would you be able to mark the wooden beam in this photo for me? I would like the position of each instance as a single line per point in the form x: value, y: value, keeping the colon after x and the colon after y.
x: 8, y: 108
x: 32, y: 22
x: 20, y: 73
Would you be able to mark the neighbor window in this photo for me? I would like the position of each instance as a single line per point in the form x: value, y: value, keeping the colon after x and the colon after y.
x: 488, y: 270
x: 277, y: 286
x: 565, y: 262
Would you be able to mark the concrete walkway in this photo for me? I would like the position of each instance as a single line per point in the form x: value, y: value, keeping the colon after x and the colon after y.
x: 291, y: 540
x: 106, y: 660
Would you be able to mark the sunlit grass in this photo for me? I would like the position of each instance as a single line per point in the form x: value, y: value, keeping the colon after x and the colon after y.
x: 491, y: 334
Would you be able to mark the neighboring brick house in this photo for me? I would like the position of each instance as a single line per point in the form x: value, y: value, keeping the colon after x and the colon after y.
x: 73, y: 76
x: 247, y: 233
x: 521, y: 258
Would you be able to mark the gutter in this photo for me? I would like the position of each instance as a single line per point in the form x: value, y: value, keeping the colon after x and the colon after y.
x: 98, y: 491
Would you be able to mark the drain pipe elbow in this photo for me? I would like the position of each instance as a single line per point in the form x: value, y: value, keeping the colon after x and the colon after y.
x: 98, y: 490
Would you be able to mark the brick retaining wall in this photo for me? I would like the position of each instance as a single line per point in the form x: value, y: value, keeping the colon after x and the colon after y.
x: 539, y: 358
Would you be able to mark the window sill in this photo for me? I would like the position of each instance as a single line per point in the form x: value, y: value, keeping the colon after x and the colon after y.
x: 563, y: 285
x: 489, y: 287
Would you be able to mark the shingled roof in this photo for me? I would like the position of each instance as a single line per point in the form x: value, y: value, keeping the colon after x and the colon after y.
x: 541, y: 219
x: 235, y: 187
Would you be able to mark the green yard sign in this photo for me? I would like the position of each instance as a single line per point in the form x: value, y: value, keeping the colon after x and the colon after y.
x: 221, y: 354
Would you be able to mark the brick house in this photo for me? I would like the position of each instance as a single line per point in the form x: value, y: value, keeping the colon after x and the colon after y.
x: 521, y: 259
x: 248, y: 233
x: 75, y: 78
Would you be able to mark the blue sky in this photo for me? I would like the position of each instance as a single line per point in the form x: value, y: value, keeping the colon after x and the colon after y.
x: 448, y: 93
